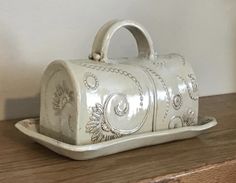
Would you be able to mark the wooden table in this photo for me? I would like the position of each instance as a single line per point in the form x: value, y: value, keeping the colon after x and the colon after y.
x: 209, y: 158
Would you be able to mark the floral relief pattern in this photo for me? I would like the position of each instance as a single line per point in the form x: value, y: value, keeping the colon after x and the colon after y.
x: 100, y: 124
x: 61, y: 97
x: 102, y: 118
x: 98, y: 127
x: 187, y: 119
x: 62, y: 101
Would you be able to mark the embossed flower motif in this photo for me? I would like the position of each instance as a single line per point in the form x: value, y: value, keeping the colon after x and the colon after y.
x: 98, y: 115
x: 98, y: 127
x: 62, y: 96
x: 188, y: 118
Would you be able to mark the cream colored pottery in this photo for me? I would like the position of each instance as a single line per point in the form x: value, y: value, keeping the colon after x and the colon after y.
x: 106, y: 101
x: 30, y: 127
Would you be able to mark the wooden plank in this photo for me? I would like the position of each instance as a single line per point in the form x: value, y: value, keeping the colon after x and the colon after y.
x: 215, y: 173
x: 23, y: 160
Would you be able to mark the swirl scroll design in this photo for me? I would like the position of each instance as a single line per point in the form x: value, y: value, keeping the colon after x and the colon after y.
x: 192, y: 88
x: 103, y: 119
x: 177, y: 101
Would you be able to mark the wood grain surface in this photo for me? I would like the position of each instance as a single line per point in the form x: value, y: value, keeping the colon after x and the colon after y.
x: 211, y: 157
x: 220, y: 172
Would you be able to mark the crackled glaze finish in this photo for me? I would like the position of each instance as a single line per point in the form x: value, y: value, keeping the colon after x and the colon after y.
x: 100, y: 99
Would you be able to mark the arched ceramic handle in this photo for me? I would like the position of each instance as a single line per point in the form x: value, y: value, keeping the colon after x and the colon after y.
x: 104, y: 35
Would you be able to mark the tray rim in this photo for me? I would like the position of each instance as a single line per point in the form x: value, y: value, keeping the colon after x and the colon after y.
x: 187, y: 132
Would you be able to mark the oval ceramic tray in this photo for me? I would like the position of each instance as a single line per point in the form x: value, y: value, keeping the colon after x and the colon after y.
x: 30, y: 127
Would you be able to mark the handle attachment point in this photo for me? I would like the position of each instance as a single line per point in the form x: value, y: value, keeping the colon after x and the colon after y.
x: 95, y: 56
x: 104, y: 35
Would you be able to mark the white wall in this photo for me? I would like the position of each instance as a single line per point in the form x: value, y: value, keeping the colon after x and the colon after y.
x: 34, y: 32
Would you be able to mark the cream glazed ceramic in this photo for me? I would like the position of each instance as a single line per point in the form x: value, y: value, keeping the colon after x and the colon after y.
x: 30, y: 127
x: 99, y: 99
x: 89, y: 105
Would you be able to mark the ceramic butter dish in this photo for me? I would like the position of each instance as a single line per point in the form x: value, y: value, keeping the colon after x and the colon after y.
x: 99, y: 106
